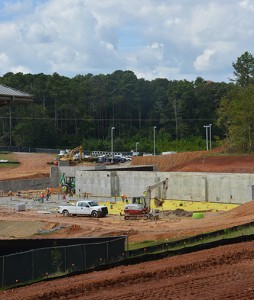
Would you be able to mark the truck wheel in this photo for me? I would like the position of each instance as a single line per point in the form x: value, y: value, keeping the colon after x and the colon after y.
x: 66, y: 213
x: 94, y: 214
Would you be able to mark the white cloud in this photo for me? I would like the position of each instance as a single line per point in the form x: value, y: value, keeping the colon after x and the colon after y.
x: 247, y: 4
x: 20, y: 69
x: 4, y: 62
x: 185, y: 39
x: 203, y: 61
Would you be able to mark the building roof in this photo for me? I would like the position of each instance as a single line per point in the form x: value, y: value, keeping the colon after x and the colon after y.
x: 8, y: 95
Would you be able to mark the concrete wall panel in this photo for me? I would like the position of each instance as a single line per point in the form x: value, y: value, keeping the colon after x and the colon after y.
x: 26, y: 184
x: 210, y: 187
x: 95, y: 183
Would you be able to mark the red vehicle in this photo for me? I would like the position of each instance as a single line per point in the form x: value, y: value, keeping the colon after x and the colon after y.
x: 140, y: 207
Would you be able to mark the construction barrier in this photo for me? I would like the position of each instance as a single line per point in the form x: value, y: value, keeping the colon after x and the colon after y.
x: 42, y: 263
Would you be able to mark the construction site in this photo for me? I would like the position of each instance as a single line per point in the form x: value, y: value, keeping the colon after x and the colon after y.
x: 152, y: 201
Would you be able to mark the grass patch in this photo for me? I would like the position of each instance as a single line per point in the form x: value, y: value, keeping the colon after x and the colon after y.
x: 228, y: 233
x: 147, y: 243
x: 12, y: 161
x: 143, y: 244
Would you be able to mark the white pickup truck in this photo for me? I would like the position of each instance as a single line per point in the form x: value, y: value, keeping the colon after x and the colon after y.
x: 84, y: 207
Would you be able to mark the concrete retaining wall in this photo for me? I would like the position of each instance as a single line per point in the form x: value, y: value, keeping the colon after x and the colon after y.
x: 205, y: 187
x: 32, y: 184
x: 26, y: 184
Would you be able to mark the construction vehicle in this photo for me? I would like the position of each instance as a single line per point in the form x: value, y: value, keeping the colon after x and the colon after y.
x: 140, y: 207
x: 74, y: 155
x: 84, y: 208
x: 67, y: 184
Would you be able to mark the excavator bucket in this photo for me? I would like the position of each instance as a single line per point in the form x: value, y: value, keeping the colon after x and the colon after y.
x: 158, y: 202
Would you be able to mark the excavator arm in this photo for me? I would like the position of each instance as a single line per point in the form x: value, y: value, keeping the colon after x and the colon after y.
x: 72, y: 152
x: 150, y: 188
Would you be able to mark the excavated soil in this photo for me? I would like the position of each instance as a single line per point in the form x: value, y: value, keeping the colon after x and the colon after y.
x: 32, y: 165
x: 198, y: 161
x: 225, y: 272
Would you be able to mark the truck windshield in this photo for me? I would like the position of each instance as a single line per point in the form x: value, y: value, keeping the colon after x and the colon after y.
x: 92, y: 203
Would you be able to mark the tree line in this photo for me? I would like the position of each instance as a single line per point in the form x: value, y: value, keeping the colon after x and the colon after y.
x: 67, y: 112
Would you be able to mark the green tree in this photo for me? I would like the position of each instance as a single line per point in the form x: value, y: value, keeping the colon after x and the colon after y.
x: 236, y: 115
x: 244, y: 69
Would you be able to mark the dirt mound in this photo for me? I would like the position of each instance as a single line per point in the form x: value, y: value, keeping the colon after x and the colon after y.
x: 35, y: 165
x: 247, y: 209
x: 198, y: 161
x: 178, y: 212
x: 168, y: 162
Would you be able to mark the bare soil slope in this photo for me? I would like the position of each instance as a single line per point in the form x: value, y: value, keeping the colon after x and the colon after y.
x: 222, y: 273
x: 32, y: 165
x: 198, y: 161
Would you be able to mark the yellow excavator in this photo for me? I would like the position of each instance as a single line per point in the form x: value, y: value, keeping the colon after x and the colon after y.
x: 74, y: 155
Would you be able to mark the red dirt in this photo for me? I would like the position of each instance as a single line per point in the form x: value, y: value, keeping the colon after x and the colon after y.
x: 198, y: 161
x: 32, y: 165
x: 222, y: 273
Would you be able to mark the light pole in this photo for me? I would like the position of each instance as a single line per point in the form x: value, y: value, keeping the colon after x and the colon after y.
x: 112, y: 143
x: 210, y: 127
x: 206, y: 136
x: 137, y: 147
x: 154, y: 128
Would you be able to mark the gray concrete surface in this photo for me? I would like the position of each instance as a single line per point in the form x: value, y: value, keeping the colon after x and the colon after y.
x: 205, y: 187
x: 34, y: 203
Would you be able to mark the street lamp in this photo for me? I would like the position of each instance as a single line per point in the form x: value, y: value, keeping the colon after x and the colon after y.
x: 137, y: 146
x: 210, y: 127
x: 206, y: 136
x: 154, y: 127
x: 112, y: 143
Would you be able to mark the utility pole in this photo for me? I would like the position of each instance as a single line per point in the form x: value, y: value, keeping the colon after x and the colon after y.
x: 210, y: 127
x: 112, y: 144
x: 206, y: 136
x: 154, y: 128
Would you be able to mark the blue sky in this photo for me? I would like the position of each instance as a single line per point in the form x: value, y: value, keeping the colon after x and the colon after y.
x: 173, y: 39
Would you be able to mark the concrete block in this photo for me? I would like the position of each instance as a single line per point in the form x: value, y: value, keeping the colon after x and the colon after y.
x: 21, y: 207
